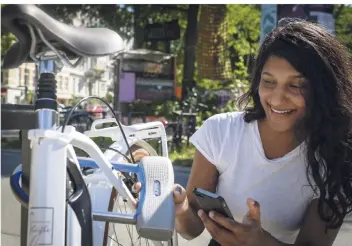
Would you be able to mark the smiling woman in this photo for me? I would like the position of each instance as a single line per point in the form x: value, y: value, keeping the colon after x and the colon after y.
x: 284, y: 164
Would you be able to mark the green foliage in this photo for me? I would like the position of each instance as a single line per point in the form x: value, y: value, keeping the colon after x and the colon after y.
x: 119, y: 17
x: 157, y: 108
x: 109, y: 97
x: 29, y: 99
x: 184, y: 157
x: 243, y: 32
x: 244, y: 27
x: 6, y: 42
x: 75, y: 100
x: 344, y: 25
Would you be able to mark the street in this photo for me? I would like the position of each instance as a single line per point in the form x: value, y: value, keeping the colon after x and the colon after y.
x: 10, y: 208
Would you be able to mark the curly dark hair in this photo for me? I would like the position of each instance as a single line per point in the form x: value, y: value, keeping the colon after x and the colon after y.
x: 327, y: 126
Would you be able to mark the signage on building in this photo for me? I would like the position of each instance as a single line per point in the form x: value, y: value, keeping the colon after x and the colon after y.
x: 154, y: 88
x: 268, y: 19
x: 273, y: 13
x: 320, y: 13
x: 127, y: 87
x: 163, y: 31
x: 153, y: 76
x: 146, y: 88
x: 139, y: 66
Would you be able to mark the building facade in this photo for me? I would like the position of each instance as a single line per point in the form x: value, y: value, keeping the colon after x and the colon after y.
x: 71, y: 82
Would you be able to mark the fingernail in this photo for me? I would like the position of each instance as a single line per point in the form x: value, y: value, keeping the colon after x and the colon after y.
x: 200, y: 213
x: 211, y: 215
x: 177, y: 191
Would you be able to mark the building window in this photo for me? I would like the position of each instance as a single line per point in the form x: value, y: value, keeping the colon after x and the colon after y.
x: 73, y: 85
x: 111, y: 73
x: 59, y: 81
x: 20, y: 76
x: 93, y: 62
x: 66, y: 84
x: 17, y: 100
x: 26, y: 76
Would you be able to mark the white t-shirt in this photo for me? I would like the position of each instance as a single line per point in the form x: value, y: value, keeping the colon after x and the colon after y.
x: 279, y: 185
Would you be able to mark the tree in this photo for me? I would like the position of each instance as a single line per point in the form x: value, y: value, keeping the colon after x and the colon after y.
x: 92, y: 76
x: 7, y: 39
x: 242, y: 41
x: 343, y: 24
x: 190, y: 48
x: 127, y: 19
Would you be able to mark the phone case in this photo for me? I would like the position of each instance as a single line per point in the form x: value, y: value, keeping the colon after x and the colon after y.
x: 211, y: 202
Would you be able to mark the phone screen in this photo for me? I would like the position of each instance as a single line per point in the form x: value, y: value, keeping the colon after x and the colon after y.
x: 208, y: 201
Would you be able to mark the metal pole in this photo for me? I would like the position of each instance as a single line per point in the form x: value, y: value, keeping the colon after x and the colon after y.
x: 26, y: 74
x: 34, y: 98
x: 26, y: 156
x: 26, y: 163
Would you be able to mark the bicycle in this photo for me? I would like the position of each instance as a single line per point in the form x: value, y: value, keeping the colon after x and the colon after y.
x: 62, y: 204
x: 186, y: 120
x: 81, y: 120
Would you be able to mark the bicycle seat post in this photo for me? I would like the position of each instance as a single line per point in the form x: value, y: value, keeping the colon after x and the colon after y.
x: 46, y: 105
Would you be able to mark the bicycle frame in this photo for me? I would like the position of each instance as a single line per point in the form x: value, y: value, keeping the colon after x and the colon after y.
x: 141, y: 131
x: 53, y: 139
x: 49, y: 155
x: 50, y: 151
x: 135, y: 135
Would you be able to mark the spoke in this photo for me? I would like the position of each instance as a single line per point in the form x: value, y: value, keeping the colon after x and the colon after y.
x: 115, y: 233
x: 127, y: 226
x: 119, y: 244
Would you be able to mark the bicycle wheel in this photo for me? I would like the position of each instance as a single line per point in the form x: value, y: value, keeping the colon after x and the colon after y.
x: 120, y: 234
x: 81, y: 122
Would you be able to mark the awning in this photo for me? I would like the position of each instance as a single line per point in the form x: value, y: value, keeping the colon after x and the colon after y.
x: 146, y: 55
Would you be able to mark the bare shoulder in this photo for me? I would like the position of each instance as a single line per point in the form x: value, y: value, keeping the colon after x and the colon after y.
x: 313, y: 229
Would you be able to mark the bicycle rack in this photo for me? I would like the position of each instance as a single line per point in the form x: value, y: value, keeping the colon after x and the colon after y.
x: 21, y: 117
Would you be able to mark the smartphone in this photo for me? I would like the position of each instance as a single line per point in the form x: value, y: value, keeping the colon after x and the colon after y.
x: 209, y: 201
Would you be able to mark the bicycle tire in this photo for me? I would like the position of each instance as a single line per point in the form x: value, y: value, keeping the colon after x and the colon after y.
x: 138, y: 152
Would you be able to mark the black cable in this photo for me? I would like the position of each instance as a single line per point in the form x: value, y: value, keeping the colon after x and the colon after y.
x: 127, y: 175
x: 68, y: 116
x: 117, y: 151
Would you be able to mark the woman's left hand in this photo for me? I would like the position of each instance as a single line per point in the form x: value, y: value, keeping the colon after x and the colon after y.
x: 229, y: 232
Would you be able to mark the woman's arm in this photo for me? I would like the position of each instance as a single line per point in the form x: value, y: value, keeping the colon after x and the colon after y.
x: 203, y: 175
x: 312, y: 232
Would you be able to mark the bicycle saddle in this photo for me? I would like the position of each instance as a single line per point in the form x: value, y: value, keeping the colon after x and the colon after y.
x: 73, y: 41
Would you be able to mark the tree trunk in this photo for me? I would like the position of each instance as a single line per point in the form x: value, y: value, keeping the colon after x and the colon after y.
x: 138, y: 30
x: 190, y: 48
x: 90, y: 87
